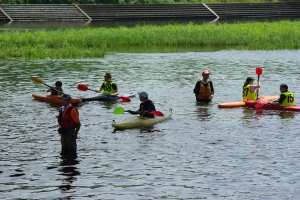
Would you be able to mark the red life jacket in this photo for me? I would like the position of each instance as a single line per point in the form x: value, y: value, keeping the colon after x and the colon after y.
x: 64, y: 118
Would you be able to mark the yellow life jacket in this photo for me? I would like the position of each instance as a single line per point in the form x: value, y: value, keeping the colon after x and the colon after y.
x: 204, y: 92
x: 108, y: 89
x: 247, y: 94
x: 289, y: 100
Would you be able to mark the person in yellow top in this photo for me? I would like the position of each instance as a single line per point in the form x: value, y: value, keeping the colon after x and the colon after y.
x: 286, y: 98
x: 250, y: 90
x: 109, y: 87
x: 204, y: 89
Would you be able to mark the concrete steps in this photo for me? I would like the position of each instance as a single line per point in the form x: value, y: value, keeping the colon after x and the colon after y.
x: 43, y: 12
x: 105, y: 12
x: 256, y: 10
x: 148, y: 11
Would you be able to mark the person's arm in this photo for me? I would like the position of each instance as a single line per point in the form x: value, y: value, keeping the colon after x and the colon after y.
x: 75, y: 117
x: 278, y: 101
x: 101, y: 88
x: 197, y: 88
x: 212, y: 88
x: 115, y: 87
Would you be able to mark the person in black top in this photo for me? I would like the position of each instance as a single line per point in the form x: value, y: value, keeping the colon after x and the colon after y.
x: 145, y: 107
x: 57, y: 90
x: 204, y: 89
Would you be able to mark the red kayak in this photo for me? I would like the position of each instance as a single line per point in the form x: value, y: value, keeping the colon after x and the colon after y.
x: 264, y: 104
x: 55, y: 99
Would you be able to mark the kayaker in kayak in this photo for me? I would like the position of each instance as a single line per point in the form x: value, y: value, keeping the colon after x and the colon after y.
x: 109, y: 87
x: 57, y: 90
x: 204, y: 89
x: 145, y: 107
x: 69, y: 122
x: 250, y: 90
x: 286, y: 98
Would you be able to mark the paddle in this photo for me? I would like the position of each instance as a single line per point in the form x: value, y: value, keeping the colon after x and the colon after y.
x: 84, y: 87
x: 39, y: 81
x: 121, y: 110
x: 259, y: 72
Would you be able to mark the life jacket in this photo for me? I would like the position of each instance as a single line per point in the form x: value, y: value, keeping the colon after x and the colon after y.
x: 55, y: 92
x: 108, y: 89
x: 64, y: 118
x: 204, y: 92
x: 247, y: 94
x: 289, y: 100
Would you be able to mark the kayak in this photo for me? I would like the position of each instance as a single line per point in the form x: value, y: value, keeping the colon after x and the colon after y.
x: 140, y: 121
x: 102, y: 97
x: 263, y: 104
x: 55, y: 99
x: 242, y: 103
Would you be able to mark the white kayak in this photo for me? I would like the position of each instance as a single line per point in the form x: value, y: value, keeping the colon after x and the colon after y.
x: 141, y: 121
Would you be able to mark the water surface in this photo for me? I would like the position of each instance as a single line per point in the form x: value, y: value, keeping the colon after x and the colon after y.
x: 202, y: 152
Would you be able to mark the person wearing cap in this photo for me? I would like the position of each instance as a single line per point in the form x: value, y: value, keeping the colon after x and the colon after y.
x: 69, y: 122
x: 286, y: 98
x: 57, y: 90
x: 204, y: 89
x: 250, y: 90
x: 146, y: 106
x: 108, y: 86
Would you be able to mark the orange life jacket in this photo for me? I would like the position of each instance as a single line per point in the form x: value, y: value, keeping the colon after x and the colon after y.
x: 64, y: 118
x: 204, y: 92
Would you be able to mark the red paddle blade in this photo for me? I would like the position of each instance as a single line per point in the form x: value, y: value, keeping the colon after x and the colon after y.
x: 82, y: 87
x: 259, y: 106
x: 259, y: 71
x: 157, y: 113
x: 125, y: 99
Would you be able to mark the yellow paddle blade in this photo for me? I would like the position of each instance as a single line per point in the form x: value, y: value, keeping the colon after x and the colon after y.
x: 37, y: 80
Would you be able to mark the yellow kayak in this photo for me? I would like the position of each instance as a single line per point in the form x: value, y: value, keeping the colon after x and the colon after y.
x: 140, y: 121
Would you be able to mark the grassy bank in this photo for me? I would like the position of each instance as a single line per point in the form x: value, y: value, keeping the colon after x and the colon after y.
x: 93, y: 42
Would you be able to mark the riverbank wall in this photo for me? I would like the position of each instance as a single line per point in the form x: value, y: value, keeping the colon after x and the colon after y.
x: 119, y: 12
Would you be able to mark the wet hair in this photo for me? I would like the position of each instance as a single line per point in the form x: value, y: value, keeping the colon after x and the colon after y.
x: 284, y: 86
x: 58, y: 83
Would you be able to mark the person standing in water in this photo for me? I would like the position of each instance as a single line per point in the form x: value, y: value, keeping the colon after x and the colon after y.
x: 69, y: 122
x: 250, y: 90
x: 204, y: 89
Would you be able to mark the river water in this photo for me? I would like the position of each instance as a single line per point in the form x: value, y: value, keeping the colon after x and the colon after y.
x: 202, y: 152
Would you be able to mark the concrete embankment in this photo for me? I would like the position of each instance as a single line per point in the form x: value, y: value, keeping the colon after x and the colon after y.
x: 97, y: 12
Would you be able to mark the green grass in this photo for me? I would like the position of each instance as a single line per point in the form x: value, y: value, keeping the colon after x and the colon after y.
x: 93, y: 42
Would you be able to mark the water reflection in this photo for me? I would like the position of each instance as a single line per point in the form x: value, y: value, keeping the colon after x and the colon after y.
x: 68, y: 169
x: 204, y: 110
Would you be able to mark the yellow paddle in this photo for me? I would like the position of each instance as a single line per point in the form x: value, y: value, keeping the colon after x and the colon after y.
x: 39, y: 81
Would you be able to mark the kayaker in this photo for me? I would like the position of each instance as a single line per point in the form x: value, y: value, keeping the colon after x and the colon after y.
x: 204, y: 89
x: 69, y: 122
x: 109, y: 87
x: 145, y: 107
x: 250, y: 90
x: 286, y: 98
x: 57, y: 90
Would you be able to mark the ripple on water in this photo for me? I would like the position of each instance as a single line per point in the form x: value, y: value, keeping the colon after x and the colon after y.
x: 202, y: 152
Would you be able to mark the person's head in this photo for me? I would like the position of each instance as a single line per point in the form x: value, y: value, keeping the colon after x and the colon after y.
x: 66, y: 99
x: 107, y: 77
x: 284, y: 88
x: 249, y: 80
x: 143, y: 96
x: 205, y: 74
x: 58, y: 84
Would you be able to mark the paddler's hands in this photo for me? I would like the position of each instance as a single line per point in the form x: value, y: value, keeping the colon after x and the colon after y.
x: 129, y: 111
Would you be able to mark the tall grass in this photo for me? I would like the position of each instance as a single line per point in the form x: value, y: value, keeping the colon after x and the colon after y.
x: 93, y: 42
